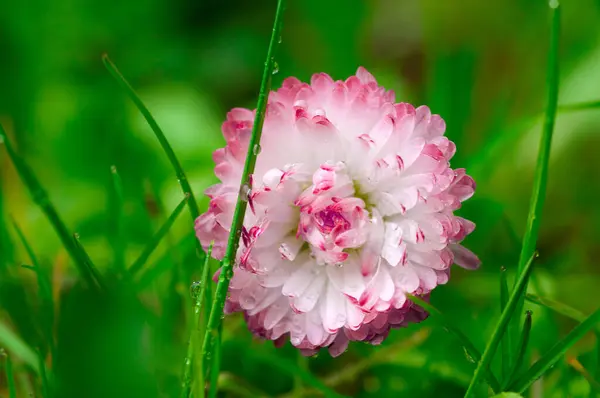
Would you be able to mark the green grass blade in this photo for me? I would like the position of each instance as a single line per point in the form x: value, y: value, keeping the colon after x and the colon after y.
x: 198, y: 294
x: 470, y: 350
x: 594, y: 385
x: 18, y: 348
x: 242, y: 202
x: 541, y: 170
x: 216, y: 365
x: 119, y: 239
x: 505, y: 344
x: 522, y: 348
x: 87, y: 261
x: 508, y: 395
x: 43, y: 375
x: 555, y: 353
x: 158, y: 236
x: 10, y: 377
x: 500, y: 329
x: 40, y: 197
x: 557, y: 307
x: 596, y: 373
x: 166, y: 147
x: 582, y: 106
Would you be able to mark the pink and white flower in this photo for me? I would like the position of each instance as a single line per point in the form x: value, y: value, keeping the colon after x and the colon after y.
x: 351, y: 207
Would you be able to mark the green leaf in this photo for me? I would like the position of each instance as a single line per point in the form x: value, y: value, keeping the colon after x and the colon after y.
x: 18, y: 348
x: 157, y: 238
x: 508, y: 395
x: 505, y: 344
x: 500, y: 329
x: 118, y: 239
x: 557, y: 307
x: 216, y: 312
x: 87, y: 261
x: 473, y: 354
x: 555, y: 353
x: 40, y: 197
x: 582, y: 106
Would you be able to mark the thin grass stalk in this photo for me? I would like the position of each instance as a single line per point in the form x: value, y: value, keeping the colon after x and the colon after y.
x: 10, y: 377
x: 522, y: 348
x: 471, y: 351
x: 242, y: 200
x: 41, y: 199
x: 500, y: 329
x: 579, y: 368
x: 43, y: 375
x: 87, y: 260
x: 157, y: 238
x: 581, y: 106
x: 190, y: 359
x: 119, y: 239
x: 216, y: 365
x: 166, y: 147
x: 541, y: 170
x: 505, y: 344
x: 555, y: 353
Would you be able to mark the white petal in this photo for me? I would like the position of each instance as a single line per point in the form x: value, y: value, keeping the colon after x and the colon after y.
x: 299, y: 280
x: 311, y: 295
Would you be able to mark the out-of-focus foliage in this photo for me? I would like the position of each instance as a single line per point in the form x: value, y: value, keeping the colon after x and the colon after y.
x: 481, y: 65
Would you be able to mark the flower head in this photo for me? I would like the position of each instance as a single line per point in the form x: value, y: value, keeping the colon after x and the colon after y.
x: 351, y: 207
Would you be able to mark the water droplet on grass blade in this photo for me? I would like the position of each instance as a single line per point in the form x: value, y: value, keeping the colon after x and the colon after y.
x: 468, y: 355
x: 275, y: 68
x: 256, y: 149
x: 244, y: 192
x: 195, y: 289
x: 554, y: 4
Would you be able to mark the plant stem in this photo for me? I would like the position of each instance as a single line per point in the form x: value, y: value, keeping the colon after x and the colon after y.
x: 119, y: 239
x: 10, y: 377
x: 522, y: 349
x: 242, y: 201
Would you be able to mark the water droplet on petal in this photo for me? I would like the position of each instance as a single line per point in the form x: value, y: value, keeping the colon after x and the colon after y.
x: 339, y: 265
x: 275, y: 68
x: 256, y: 149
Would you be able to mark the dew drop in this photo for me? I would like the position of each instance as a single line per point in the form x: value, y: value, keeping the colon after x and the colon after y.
x: 196, y: 310
x: 188, y: 361
x: 250, y: 301
x: 256, y: 149
x: 280, y: 40
x: 244, y: 192
x: 553, y: 4
x: 275, y: 68
x: 339, y: 265
x: 195, y: 289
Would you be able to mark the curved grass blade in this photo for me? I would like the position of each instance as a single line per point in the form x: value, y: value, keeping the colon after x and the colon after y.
x: 555, y: 353
x: 541, y: 170
x: 522, y: 348
x: 557, y: 307
x: 242, y: 200
x: 158, y: 236
x: 500, y: 329
x: 10, y: 377
x: 40, y: 197
x: 505, y: 344
x: 17, y: 347
x: 119, y: 240
x: 198, y: 293
x: 469, y: 347
x: 164, y: 143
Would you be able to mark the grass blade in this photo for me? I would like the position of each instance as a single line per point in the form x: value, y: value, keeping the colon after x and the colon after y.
x: 500, y: 329
x: 198, y: 293
x: 87, y: 261
x: 166, y: 147
x: 40, y: 197
x: 158, y: 236
x: 242, y: 202
x: 43, y: 375
x: 582, y: 106
x: 541, y: 170
x: 505, y: 343
x: 119, y: 240
x: 469, y: 347
x: 19, y: 349
x: 557, y: 307
x: 216, y: 365
x: 522, y: 348
x: 10, y: 377
x: 557, y: 351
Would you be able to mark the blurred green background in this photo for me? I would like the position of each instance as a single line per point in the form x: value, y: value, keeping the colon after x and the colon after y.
x: 480, y: 65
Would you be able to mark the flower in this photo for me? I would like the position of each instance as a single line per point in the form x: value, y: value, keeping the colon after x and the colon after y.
x: 350, y: 208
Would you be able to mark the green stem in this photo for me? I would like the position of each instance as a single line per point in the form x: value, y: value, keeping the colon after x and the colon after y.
x: 500, y: 329
x: 522, y: 348
x: 216, y: 312
x: 198, y: 295
x: 40, y: 197
x: 10, y: 377
x: 579, y: 106
x: 505, y: 344
x: 541, y: 171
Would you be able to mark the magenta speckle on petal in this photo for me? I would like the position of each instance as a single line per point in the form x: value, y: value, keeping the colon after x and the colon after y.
x: 351, y: 208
